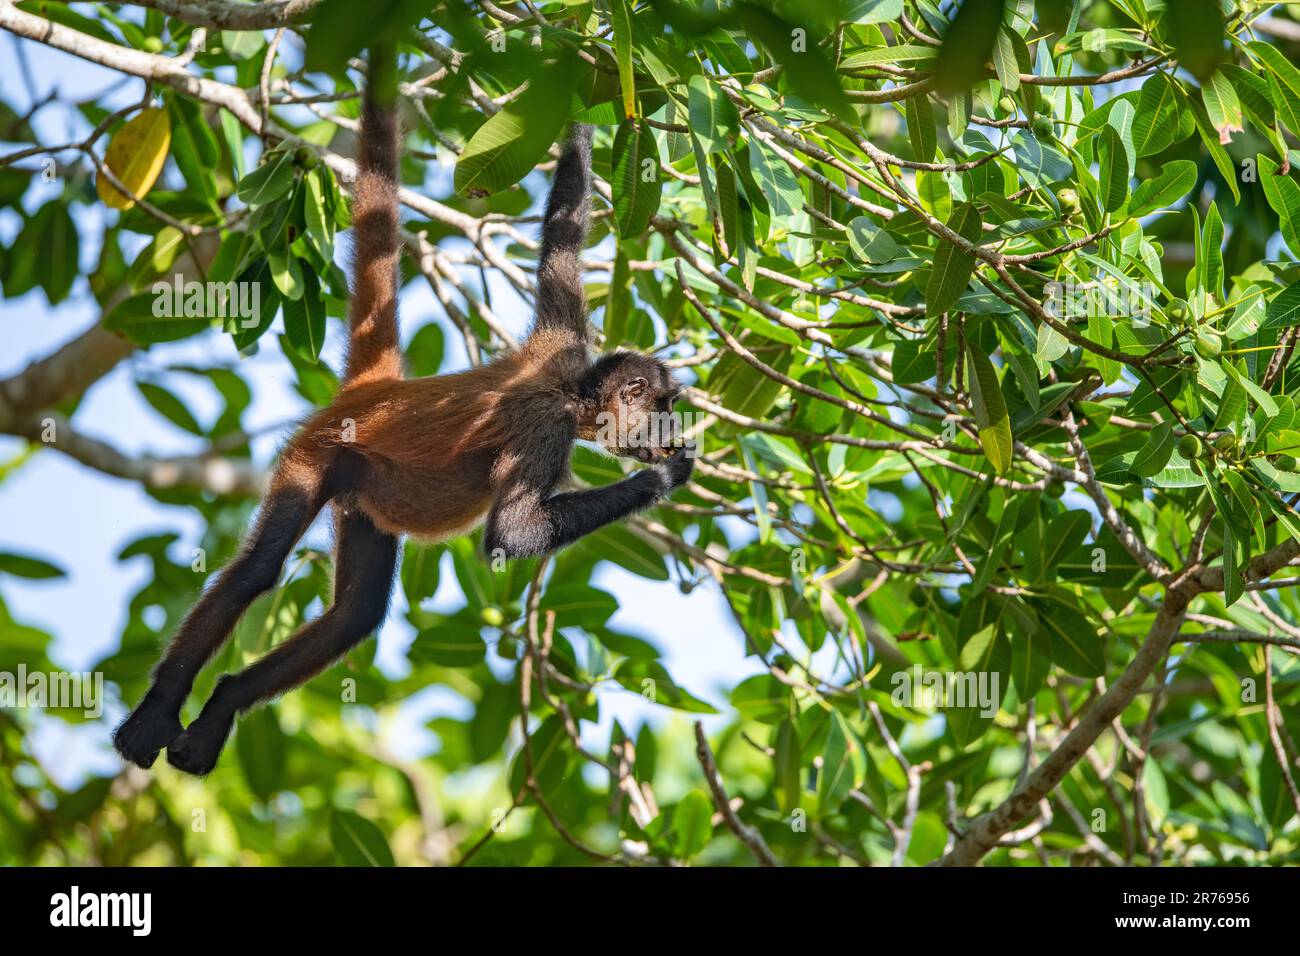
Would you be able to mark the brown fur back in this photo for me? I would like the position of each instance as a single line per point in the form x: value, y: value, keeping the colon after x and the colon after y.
x: 431, y: 444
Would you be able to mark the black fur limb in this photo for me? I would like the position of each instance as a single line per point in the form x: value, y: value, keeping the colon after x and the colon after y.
x: 561, y: 302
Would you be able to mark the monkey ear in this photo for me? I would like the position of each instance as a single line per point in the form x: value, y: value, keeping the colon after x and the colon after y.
x: 634, y: 388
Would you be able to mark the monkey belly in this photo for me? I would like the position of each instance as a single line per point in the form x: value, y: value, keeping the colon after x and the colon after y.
x: 435, y: 504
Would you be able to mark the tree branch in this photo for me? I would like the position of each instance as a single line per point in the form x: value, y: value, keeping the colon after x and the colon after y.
x: 984, y: 831
x: 746, y: 834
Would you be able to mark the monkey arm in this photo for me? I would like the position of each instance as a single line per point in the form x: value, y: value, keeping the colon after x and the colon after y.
x: 524, y: 525
x: 527, y: 520
x: 561, y: 302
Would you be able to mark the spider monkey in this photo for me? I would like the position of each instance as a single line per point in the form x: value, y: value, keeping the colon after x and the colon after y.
x: 431, y: 457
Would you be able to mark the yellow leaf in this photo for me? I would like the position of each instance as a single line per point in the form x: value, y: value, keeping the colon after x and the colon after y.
x: 136, y: 154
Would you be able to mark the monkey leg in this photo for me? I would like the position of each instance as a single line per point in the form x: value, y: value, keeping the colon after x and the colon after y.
x: 363, y: 583
x: 295, y: 498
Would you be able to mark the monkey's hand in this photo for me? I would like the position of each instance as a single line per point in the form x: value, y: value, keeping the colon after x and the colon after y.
x: 677, y: 465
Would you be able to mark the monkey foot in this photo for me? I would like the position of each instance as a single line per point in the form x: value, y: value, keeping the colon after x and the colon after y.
x: 197, y: 749
x: 150, y: 727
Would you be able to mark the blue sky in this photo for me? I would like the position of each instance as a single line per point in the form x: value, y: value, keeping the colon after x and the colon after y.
x: 80, y: 519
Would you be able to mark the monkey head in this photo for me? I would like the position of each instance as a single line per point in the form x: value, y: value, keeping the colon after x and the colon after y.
x: 630, y: 400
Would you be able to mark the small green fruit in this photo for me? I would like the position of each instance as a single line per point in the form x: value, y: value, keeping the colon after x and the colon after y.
x: 1208, y: 344
x: 152, y: 45
x: 1190, y: 447
x: 492, y: 616
x: 1226, y: 444
x: 305, y: 157
x: 1007, y: 105
x: 1043, y: 126
x: 1068, y: 198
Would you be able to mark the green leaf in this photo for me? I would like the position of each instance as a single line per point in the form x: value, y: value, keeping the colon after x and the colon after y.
x: 1222, y: 106
x: 985, y: 668
x: 578, y: 605
x: 45, y: 254
x: 1158, y: 117
x: 257, y: 276
x: 1076, y: 646
x: 1283, y: 194
x: 967, y: 46
x: 651, y: 680
x: 870, y: 243
x: 1063, y: 535
x: 1283, y: 81
x: 1030, y: 662
x: 776, y: 179
x: 788, y: 767
x: 618, y: 544
x: 1284, y: 308
x: 268, y: 182
x: 990, y: 409
x: 338, y: 33
x: 420, y: 572
x: 1195, y: 29
x: 320, y: 226
x: 25, y: 566
x: 193, y: 145
x: 357, y: 841
x: 692, y: 825
x: 261, y: 744
x: 843, y: 766
x: 797, y: 49
x: 637, y: 183
x: 170, y: 407
x: 713, y: 118
x: 550, y: 757
x: 304, y: 320
x: 920, y: 127
x: 425, y: 351
x: 1115, y: 163
x: 506, y: 148
x: 1234, y: 584
x: 743, y: 388
x: 1174, y: 182
x: 450, y: 643
x: 1005, y: 61
x: 762, y: 698
x: 1154, y: 455
x: 620, y: 18
x: 142, y: 319
x: 953, y: 266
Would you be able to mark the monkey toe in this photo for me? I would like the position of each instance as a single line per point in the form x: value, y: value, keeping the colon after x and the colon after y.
x: 197, y: 749
x: 150, y: 727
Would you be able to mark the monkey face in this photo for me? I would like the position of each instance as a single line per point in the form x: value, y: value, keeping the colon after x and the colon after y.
x: 637, y: 393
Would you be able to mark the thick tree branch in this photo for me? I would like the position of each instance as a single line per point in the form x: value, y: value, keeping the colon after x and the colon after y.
x: 211, y: 473
x: 228, y: 15
x: 982, y: 834
x: 746, y: 834
x: 61, y: 376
